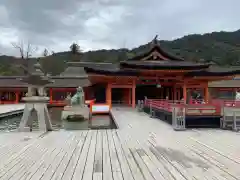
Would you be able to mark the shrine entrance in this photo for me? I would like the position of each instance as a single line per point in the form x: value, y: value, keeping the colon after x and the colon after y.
x: 117, y: 95
x: 100, y: 93
x: 148, y: 91
x: 158, y: 92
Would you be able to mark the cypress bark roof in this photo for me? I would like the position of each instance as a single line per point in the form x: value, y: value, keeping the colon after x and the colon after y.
x: 156, y: 53
x: 61, y: 82
x: 225, y: 84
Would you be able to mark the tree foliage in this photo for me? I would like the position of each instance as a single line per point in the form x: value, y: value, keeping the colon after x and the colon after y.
x: 75, y: 48
x: 222, y: 48
x: 45, y: 52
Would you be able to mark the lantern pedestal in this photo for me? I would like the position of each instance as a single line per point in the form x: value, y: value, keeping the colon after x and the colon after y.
x: 39, y: 105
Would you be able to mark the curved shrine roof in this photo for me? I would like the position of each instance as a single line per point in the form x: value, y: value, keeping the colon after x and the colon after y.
x: 60, y: 82
x: 156, y: 48
x: 215, y: 71
x: 163, y: 65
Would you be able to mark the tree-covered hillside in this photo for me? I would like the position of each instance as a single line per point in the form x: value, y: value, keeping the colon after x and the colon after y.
x: 222, y: 48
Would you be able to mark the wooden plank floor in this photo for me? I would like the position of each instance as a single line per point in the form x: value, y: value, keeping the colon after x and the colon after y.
x: 7, y: 108
x: 141, y: 149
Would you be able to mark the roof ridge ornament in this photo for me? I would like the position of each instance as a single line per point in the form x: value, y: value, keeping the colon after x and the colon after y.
x: 155, y: 41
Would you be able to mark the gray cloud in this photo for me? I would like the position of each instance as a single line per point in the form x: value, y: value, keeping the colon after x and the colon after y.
x: 96, y: 24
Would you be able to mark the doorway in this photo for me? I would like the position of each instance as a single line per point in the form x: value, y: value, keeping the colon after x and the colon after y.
x: 100, y: 93
x: 117, y: 96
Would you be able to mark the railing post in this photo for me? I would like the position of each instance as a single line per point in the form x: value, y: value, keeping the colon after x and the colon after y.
x: 152, y: 113
x: 179, y: 118
x: 142, y: 104
x: 223, y: 119
x: 235, y: 121
x: 139, y: 105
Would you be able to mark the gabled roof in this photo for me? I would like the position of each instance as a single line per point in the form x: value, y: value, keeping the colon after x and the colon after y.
x: 216, y: 71
x: 95, y: 65
x: 114, y: 72
x: 74, y: 71
x: 163, y: 65
x: 60, y: 82
x: 155, y: 53
x: 158, y: 59
x: 225, y: 84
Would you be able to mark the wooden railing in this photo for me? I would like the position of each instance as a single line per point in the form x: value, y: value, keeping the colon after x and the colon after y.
x: 161, y: 104
x: 196, y: 109
x: 226, y: 103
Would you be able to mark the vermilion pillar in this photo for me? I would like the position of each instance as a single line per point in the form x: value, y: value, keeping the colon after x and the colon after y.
x: 206, y: 93
x: 109, y: 94
x: 129, y: 96
x: 133, y: 94
x: 17, y: 93
x: 184, y: 93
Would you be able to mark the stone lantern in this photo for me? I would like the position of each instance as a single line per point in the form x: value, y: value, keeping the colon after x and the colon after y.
x: 36, y: 100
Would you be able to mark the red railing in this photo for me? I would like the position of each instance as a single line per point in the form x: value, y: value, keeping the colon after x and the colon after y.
x: 191, y: 109
x: 162, y: 104
x: 226, y: 103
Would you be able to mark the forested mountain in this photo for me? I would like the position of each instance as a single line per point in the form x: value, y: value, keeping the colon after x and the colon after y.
x: 222, y: 48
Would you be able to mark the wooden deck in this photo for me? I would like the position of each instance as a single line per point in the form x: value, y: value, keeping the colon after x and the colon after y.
x: 141, y: 149
x: 10, y: 109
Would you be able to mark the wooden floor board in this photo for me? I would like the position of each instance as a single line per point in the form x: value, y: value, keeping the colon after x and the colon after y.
x: 89, y: 167
x: 68, y: 174
x: 82, y: 159
x: 142, y: 148
x: 116, y: 168
x: 107, y: 167
x: 56, y: 162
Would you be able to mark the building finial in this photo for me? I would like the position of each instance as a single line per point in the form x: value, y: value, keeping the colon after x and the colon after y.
x: 155, y: 41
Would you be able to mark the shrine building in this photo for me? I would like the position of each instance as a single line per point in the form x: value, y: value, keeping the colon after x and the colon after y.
x: 155, y: 74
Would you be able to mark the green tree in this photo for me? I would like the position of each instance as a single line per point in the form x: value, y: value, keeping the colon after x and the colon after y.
x: 45, y: 52
x: 75, y: 52
x: 75, y: 48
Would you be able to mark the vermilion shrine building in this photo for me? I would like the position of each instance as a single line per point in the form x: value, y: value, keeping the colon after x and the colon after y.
x: 154, y: 74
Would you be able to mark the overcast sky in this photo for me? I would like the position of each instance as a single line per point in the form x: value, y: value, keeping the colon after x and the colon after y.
x: 107, y: 24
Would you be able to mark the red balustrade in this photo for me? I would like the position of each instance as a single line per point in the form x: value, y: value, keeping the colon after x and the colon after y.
x: 226, y: 103
x: 196, y: 108
x: 162, y: 104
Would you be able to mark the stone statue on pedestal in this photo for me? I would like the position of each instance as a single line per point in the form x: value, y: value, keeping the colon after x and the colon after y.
x: 36, y: 101
x: 78, y: 98
x: 77, y: 110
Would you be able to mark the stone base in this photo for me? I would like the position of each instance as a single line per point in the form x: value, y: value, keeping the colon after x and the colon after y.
x: 24, y: 129
x: 75, y: 111
x: 43, y: 118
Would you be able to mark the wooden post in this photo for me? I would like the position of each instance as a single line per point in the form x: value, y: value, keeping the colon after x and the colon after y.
x: 206, y: 93
x: 129, y: 96
x: 167, y: 93
x: 184, y: 93
x: 133, y: 94
x: 109, y: 94
x: 50, y: 95
x: 17, y: 96
x: 174, y: 93
x: 126, y: 96
x: 161, y: 93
